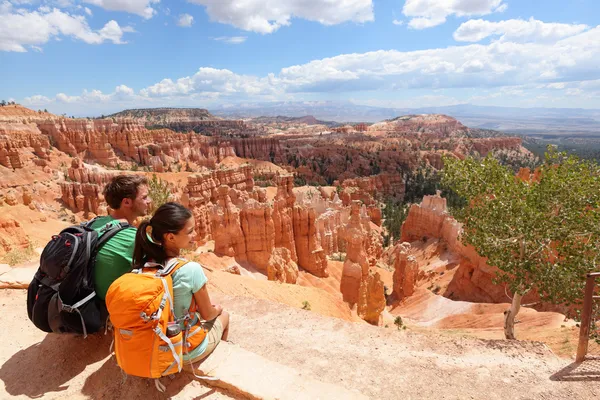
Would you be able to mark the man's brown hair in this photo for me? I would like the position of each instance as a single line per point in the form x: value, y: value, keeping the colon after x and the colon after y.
x: 122, y: 187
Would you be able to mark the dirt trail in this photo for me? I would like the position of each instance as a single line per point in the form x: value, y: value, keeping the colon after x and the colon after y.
x: 391, y: 364
x: 378, y: 362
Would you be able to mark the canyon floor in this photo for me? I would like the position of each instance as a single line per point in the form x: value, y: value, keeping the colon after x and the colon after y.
x: 376, y: 362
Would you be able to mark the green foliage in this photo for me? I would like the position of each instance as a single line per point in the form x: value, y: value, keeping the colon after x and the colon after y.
x: 299, y: 180
x: 398, y: 322
x: 135, y: 167
x: 306, y: 305
x: 19, y: 255
x: 159, y: 192
x: 394, y: 214
x: 541, y: 234
x: 517, y: 160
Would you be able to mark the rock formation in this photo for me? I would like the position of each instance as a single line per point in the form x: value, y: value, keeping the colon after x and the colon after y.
x: 82, y: 188
x: 12, y: 235
x: 372, y: 188
x: 473, y: 280
x: 281, y: 267
x: 359, y: 285
x: 311, y: 256
x: 405, y: 271
x: 21, y: 144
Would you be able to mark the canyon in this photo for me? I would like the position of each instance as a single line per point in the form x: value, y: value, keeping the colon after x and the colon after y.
x: 286, y: 211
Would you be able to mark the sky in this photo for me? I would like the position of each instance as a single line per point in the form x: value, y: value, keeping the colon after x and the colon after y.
x: 92, y: 57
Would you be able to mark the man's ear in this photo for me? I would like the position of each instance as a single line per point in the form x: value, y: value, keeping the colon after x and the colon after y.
x: 127, y: 202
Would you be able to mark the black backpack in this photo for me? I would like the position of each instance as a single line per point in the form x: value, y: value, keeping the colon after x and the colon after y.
x: 61, y: 296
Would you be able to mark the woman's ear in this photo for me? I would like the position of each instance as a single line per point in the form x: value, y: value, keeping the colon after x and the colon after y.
x: 170, y: 237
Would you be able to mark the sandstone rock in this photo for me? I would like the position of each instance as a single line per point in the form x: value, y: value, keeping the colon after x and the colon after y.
x: 12, y: 235
x: 225, y: 226
x: 234, y: 269
x: 359, y: 285
x: 281, y: 266
x: 283, y: 215
x: 372, y: 298
x: 17, y: 278
x: 311, y: 256
x: 405, y: 271
x: 11, y: 199
x: 257, y: 225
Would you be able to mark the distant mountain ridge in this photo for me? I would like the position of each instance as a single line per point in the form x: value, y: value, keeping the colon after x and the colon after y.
x: 307, y: 119
x: 531, y: 121
x: 154, y: 116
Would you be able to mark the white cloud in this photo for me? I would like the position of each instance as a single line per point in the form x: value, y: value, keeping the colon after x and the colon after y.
x: 516, y: 30
x: 142, y: 8
x: 518, y: 70
x: 36, y: 100
x: 87, y: 11
x: 20, y: 28
x: 397, y: 22
x: 231, y: 39
x: 185, y: 20
x: 266, y: 16
x: 124, y: 90
x: 429, y: 13
x: 211, y: 80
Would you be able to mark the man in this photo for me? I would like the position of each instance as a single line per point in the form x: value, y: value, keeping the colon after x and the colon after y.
x: 127, y: 197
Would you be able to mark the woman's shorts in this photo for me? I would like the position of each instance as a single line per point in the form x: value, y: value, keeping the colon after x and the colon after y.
x: 215, y: 332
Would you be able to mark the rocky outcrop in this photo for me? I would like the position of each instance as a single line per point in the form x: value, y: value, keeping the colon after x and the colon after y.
x: 22, y: 144
x: 372, y: 188
x: 311, y: 256
x: 372, y: 296
x: 283, y: 215
x: 225, y: 226
x: 425, y: 220
x: 259, y: 148
x: 82, y: 188
x: 360, y: 286
x: 281, y: 266
x: 259, y: 233
x: 405, y: 271
x: 102, y: 139
x: 12, y: 235
x: 202, y: 187
x: 473, y: 279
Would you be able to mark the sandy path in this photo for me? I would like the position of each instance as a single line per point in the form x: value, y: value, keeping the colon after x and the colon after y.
x: 36, y: 365
x: 390, y: 364
x: 378, y: 362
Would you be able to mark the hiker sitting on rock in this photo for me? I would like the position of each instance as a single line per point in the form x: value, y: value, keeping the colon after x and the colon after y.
x: 160, y: 240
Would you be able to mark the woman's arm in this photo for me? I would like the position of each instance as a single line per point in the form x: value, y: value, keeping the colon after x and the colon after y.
x: 208, y: 312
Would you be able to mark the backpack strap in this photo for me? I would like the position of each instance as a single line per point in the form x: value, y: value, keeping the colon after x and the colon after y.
x: 108, y: 232
x: 172, y: 265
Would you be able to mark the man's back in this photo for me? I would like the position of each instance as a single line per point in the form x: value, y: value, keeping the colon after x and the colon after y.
x: 114, y: 258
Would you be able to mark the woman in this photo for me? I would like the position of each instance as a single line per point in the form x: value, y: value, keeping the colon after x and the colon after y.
x: 162, y: 238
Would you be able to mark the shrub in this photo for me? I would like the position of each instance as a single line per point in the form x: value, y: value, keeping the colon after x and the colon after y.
x: 159, y: 192
x: 398, y: 322
x: 306, y: 305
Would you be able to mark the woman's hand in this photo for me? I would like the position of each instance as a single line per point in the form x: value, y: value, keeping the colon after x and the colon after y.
x: 218, y: 308
x: 207, y: 310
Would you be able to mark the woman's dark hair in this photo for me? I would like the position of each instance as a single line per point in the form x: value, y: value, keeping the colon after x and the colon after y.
x: 169, y: 218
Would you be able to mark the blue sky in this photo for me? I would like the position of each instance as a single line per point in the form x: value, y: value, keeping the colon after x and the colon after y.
x: 100, y: 56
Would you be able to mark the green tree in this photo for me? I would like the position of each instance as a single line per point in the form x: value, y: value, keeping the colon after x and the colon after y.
x: 541, y: 234
x: 159, y: 191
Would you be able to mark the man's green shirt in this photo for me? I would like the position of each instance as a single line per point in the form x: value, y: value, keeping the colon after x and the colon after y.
x: 114, y: 258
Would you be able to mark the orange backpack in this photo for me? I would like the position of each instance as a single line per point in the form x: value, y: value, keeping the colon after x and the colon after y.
x: 140, y: 304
